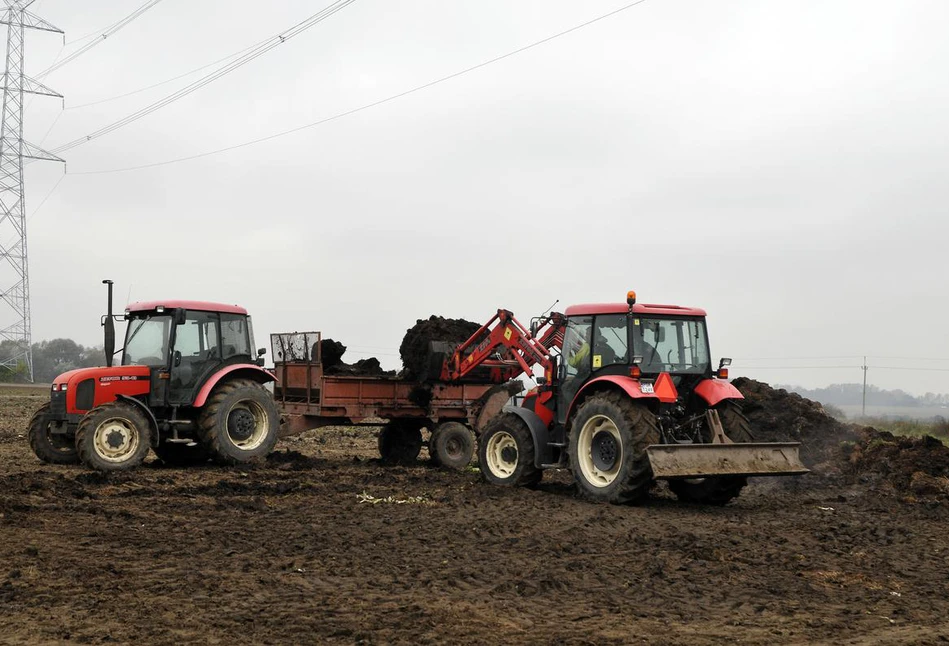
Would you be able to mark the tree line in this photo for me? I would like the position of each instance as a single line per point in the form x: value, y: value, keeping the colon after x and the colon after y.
x: 50, y: 358
x: 852, y: 395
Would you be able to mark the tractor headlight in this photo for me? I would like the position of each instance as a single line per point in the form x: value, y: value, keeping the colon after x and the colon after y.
x: 55, y: 387
x: 62, y: 388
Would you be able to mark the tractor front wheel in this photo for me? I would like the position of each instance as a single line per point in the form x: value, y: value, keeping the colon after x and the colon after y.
x: 113, y: 437
x: 53, y: 448
x: 506, y: 453
x: 607, y: 448
x: 400, y: 442
x: 718, y: 490
x: 451, y: 446
x: 239, y: 422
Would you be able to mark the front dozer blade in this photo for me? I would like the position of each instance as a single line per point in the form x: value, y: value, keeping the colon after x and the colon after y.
x: 744, y: 459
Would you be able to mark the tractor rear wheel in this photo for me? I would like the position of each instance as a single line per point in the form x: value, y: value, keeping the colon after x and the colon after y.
x: 718, y: 490
x: 239, y: 422
x: 607, y: 448
x: 506, y: 452
x: 113, y: 437
x: 400, y: 442
x: 175, y: 454
x: 451, y: 446
x: 53, y: 448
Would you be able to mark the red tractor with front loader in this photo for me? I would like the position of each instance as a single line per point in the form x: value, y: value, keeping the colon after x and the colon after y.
x: 190, y: 387
x: 628, y: 394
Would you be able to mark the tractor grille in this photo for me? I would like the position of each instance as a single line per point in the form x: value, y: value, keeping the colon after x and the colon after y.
x: 57, y: 404
x: 85, y: 394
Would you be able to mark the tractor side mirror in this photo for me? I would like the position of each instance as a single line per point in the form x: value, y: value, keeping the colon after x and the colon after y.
x: 177, y: 358
x: 561, y: 372
x: 261, y: 352
x: 180, y: 316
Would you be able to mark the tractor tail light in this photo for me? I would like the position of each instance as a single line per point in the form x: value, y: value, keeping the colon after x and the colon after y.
x: 635, y: 372
x: 723, y: 373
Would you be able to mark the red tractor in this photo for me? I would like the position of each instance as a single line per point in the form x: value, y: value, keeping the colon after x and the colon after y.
x: 628, y: 395
x: 189, y: 387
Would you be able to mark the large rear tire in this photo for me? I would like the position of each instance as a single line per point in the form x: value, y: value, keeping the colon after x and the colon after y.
x: 239, y: 422
x: 113, y: 437
x: 52, y: 448
x: 400, y: 442
x: 718, y: 490
x: 607, y: 448
x: 506, y: 453
x: 451, y: 446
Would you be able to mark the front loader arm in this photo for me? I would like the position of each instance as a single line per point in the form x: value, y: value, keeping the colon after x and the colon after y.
x: 503, y: 343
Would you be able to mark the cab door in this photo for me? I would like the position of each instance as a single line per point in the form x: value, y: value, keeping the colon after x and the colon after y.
x: 196, y: 356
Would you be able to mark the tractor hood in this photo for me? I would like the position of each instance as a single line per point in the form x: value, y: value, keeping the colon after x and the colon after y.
x: 102, y: 375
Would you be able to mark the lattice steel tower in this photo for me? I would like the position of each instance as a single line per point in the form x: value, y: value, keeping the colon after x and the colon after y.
x: 14, y: 264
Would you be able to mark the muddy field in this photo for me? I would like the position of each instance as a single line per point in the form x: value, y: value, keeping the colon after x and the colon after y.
x: 324, y: 545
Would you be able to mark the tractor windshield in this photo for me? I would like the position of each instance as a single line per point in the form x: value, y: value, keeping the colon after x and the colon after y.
x: 146, y: 341
x: 671, y: 345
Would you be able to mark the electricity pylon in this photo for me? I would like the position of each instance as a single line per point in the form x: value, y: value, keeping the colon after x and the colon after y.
x: 14, y: 263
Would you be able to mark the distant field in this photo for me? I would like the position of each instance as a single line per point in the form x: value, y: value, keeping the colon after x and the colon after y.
x: 897, y: 412
x: 23, y: 390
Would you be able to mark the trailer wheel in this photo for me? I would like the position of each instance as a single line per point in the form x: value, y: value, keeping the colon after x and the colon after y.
x: 400, y: 442
x: 175, y: 454
x: 718, y: 490
x: 52, y: 448
x: 506, y: 452
x: 451, y: 446
x: 113, y: 437
x: 607, y: 448
x: 239, y: 422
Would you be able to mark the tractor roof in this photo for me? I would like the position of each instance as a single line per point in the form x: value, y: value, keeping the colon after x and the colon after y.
x: 587, y: 309
x: 204, y: 306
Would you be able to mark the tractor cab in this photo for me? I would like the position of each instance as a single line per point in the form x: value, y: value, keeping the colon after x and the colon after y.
x: 632, y: 340
x: 184, y: 343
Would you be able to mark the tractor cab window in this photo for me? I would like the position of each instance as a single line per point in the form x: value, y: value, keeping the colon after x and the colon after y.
x: 610, y: 340
x: 197, y: 337
x: 146, y: 341
x: 576, y: 346
x: 235, y: 337
x: 672, y: 345
x: 197, y: 354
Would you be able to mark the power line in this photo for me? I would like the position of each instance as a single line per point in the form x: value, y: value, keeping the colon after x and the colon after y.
x: 165, y: 82
x: 368, y: 105
x: 213, y: 76
x: 108, y: 32
x: 751, y: 368
x: 796, y: 358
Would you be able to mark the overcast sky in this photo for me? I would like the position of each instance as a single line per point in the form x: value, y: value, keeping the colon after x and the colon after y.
x: 781, y: 164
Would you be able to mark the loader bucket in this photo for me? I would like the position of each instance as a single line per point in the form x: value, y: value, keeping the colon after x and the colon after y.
x: 745, y: 459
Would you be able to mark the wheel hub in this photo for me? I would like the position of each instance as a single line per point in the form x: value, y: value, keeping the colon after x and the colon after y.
x: 509, y: 454
x: 604, y: 451
x: 115, y: 439
x: 241, y: 424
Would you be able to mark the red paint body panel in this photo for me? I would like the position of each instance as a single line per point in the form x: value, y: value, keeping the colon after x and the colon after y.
x: 110, y: 382
x: 588, y: 309
x: 715, y: 391
x: 261, y: 375
x: 204, y: 306
x: 632, y: 388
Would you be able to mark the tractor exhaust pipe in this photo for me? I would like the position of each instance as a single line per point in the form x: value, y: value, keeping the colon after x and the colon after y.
x: 109, y: 323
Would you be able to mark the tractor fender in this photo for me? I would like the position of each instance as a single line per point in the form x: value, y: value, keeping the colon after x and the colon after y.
x: 149, y: 415
x: 663, y: 389
x: 714, y: 391
x: 245, y: 370
x: 539, y: 433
